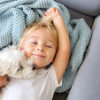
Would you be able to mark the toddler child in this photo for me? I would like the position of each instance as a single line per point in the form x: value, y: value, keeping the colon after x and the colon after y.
x: 48, y: 42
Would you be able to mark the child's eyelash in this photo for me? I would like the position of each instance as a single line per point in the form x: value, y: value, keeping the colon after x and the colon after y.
x: 33, y: 42
x: 48, y: 46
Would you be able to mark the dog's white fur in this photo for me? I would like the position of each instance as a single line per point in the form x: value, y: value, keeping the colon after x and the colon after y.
x: 14, y: 63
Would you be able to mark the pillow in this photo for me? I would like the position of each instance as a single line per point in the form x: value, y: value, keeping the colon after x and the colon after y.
x: 89, y: 7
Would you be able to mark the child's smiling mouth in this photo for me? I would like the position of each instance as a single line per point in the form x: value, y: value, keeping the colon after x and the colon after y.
x: 38, y: 55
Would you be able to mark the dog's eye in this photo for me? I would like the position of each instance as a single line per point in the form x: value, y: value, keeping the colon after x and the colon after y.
x: 21, y: 68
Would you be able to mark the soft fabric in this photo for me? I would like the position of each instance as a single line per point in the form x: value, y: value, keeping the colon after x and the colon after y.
x: 41, y: 87
x: 87, y: 82
x: 89, y: 7
x: 16, y: 15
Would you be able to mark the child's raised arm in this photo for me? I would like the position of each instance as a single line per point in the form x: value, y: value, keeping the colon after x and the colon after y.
x: 63, y: 52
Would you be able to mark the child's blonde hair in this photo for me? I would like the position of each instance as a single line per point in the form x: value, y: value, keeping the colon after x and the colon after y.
x: 45, y: 22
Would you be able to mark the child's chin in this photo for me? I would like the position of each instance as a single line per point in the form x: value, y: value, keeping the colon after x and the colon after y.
x: 39, y: 64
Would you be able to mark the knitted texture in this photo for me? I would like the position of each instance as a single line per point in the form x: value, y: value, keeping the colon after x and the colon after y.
x: 16, y: 15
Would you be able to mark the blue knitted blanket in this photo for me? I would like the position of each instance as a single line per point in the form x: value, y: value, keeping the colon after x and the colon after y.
x: 16, y: 15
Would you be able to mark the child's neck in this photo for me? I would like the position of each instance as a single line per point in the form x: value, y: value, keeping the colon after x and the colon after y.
x: 45, y: 67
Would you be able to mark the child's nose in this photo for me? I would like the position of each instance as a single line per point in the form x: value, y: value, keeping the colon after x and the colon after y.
x: 40, y: 48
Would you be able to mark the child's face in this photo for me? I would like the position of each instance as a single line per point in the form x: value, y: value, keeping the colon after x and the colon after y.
x: 40, y: 44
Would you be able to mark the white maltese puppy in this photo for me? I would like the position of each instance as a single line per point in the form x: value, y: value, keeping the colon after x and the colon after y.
x: 14, y: 63
x: 20, y: 69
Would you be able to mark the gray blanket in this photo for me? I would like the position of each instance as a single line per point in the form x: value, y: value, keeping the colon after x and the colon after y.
x: 16, y: 15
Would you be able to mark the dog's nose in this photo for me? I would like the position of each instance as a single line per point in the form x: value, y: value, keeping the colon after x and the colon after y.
x: 34, y: 67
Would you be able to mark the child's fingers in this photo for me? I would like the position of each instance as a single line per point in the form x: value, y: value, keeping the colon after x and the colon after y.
x: 43, y: 15
x: 51, y: 11
x: 47, y: 12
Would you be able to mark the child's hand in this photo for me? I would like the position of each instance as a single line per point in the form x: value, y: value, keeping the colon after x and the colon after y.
x: 3, y: 80
x: 56, y: 16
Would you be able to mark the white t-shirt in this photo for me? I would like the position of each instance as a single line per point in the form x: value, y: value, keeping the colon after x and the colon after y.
x: 42, y: 87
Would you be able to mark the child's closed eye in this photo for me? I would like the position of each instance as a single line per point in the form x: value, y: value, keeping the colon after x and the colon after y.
x: 33, y: 42
x: 48, y: 46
